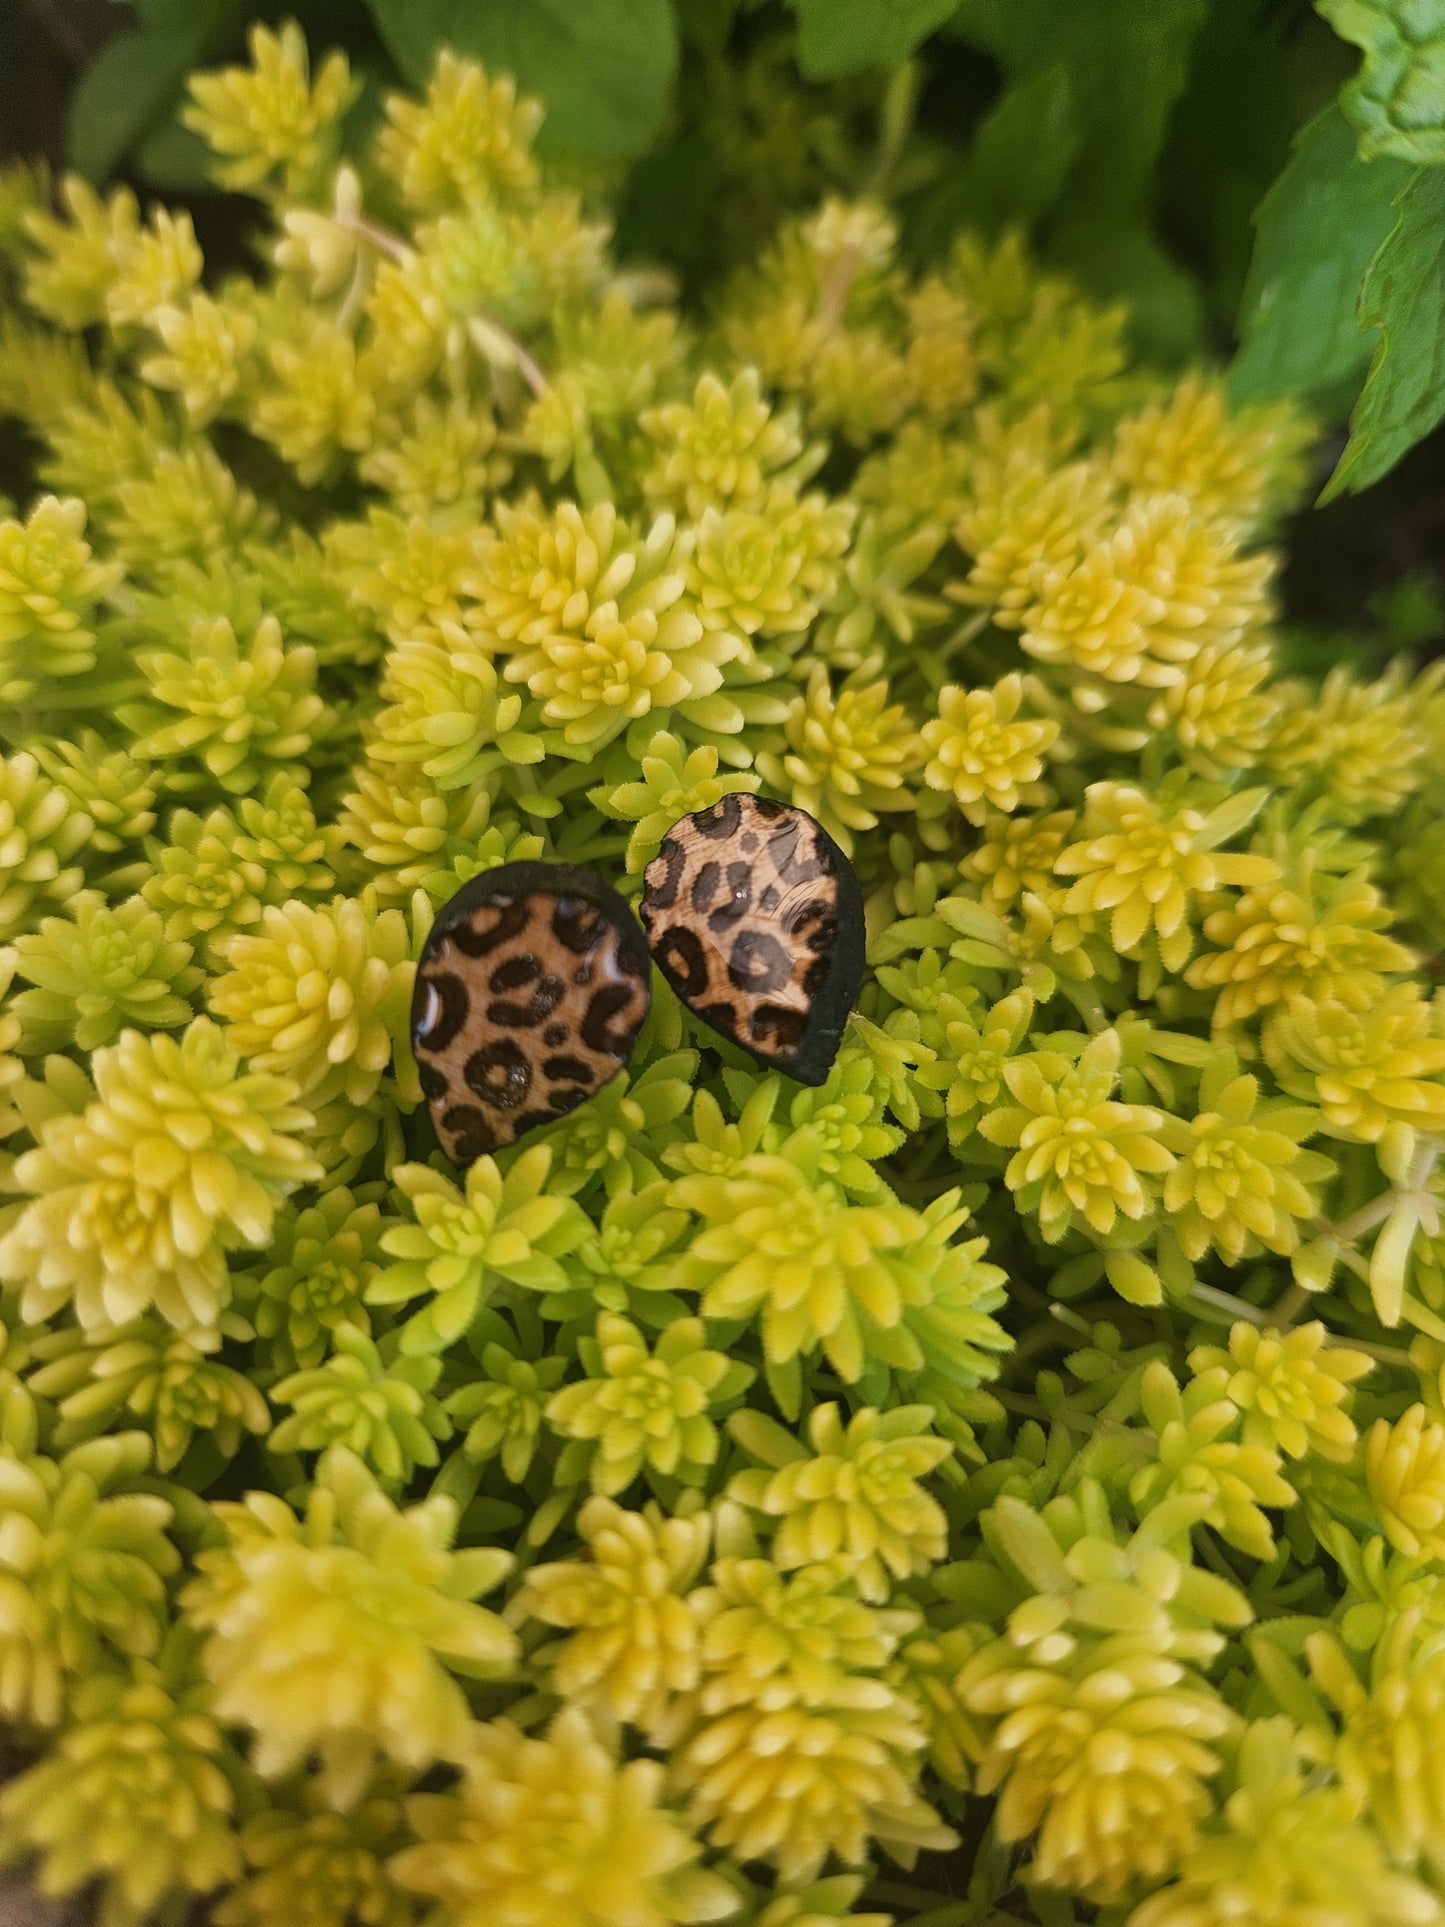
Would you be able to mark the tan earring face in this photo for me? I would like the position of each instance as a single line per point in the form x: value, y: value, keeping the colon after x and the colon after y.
x: 530, y: 993
x: 755, y: 918
x: 535, y: 981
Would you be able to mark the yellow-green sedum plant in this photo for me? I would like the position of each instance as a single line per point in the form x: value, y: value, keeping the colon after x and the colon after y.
x: 1006, y: 1480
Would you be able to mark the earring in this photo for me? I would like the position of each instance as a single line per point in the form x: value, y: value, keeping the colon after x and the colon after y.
x: 530, y: 992
x: 755, y: 918
x: 534, y: 981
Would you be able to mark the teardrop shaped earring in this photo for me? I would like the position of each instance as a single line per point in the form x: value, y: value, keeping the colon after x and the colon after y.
x: 530, y: 992
x: 755, y: 918
x: 535, y: 980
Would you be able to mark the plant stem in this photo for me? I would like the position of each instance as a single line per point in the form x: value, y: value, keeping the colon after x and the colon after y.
x: 1226, y: 1301
x: 1287, y: 1309
x: 381, y: 238
x: 966, y: 631
x: 1387, y: 1354
x: 1378, y: 1209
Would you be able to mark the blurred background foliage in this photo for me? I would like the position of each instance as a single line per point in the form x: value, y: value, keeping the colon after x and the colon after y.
x: 1261, y: 181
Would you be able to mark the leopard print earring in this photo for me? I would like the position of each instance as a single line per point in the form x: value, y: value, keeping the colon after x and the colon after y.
x: 534, y: 982
x: 755, y: 918
x: 530, y: 992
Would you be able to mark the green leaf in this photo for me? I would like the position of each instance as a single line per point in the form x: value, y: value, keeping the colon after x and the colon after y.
x: 128, y: 90
x: 1031, y: 1546
x: 1023, y: 151
x: 1133, y: 1278
x: 1115, y: 1606
x: 1122, y: 261
x: 1317, y: 230
x: 663, y: 213
x: 548, y: 1516
x: 765, y: 1439
x: 166, y: 16
x: 1126, y: 64
x: 457, y: 1480
x: 1287, y: 1684
x: 848, y: 36
x: 1404, y: 297
x: 122, y: 94
x: 1236, y: 813
x: 442, y: 1322
x: 174, y: 159
x: 604, y: 67
x: 785, y: 1382
x: 706, y: 23
x: 1228, y: 141
x: 977, y: 1585
x: 1397, y: 101
x: 1388, y: 1260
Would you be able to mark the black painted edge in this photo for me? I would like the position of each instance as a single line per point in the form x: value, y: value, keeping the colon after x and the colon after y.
x: 834, y: 1003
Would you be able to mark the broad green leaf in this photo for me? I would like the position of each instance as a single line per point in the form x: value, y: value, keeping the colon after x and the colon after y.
x: 130, y: 87
x: 1126, y: 63
x: 847, y: 36
x: 1023, y: 151
x: 603, y: 67
x: 1404, y: 298
x: 122, y: 94
x: 165, y: 16
x: 1121, y: 261
x: 1397, y: 101
x: 1228, y: 141
x: 706, y: 23
x: 174, y: 159
x: 1317, y: 230
x: 663, y: 213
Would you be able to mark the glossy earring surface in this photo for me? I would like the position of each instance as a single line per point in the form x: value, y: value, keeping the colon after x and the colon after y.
x: 530, y: 993
x: 755, y: 918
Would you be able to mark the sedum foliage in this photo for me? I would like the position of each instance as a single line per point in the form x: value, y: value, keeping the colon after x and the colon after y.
x: 1008, y: 1478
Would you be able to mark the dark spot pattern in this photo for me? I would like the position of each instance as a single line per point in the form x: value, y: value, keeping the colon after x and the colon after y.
x: 500, y: 1074
x: 683, y: 961
x: 511, y: 1014
x: 445, y: 1010
x: 720, y: 824
x: 466, y: 1129
x: 669, y: 867
x: 755, y: 918
x: 758, y: 962
x: 606, y: 1021
x: 482, y: 938
x: 529, y: 996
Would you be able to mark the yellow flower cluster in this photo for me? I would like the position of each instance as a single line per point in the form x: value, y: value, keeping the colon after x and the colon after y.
x: 1015, y: 1415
